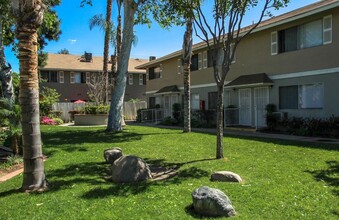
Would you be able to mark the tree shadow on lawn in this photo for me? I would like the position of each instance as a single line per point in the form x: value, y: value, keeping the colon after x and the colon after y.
x: 329, y: 176
x: 126, y: 189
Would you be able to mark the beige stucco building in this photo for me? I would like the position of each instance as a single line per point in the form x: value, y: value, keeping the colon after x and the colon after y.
x: 291, y: 60
x: 71, y: 75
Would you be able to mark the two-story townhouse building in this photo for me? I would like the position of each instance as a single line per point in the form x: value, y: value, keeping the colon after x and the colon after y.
x: 290, y: 60
x: 70, y: 75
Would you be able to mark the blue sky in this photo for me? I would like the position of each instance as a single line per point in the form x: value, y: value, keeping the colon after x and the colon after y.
x: 155, y: 41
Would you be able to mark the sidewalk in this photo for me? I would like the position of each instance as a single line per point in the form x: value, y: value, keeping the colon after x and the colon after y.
x: 257, y: 134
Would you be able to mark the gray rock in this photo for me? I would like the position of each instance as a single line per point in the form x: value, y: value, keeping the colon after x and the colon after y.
x: 128, y: 169
x: 111, y: 155
x: 226, y: 176
x: 212, y: 202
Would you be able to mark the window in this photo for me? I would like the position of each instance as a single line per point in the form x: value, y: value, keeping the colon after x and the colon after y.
x: 274, y: 43
x: 141, y: 79
x: 195, y: 102
x: 61, y: 77
x: 327, y: 29
x: 312, y: 96
x: 315, y: 33
x: 154, y: 73
x: 288, y: 97
x: 49, y: 76
x: 88, y: 77
x: 78, y: 77
x: 195, y: 62
x: 212, y: 100
x: 179, y: 61
x: 130, y: 79
x: 204, y: 60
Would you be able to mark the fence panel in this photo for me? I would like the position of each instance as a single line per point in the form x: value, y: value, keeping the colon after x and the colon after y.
x: 129, y: 109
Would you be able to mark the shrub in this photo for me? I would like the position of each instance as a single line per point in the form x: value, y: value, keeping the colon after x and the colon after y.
x: 47, y: 121
x: 176, y: 112
x: 271, y: 119
x: 139, y: 114
x: 58, y: 121
x: 168, y: 121
x: 91, y: 109
x: 102, y: 109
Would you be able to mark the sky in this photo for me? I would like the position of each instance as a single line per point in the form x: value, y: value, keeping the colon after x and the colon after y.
x: 77, y: 37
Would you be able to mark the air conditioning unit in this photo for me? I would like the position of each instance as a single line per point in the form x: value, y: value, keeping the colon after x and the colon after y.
x: 280, y: 115
x: 88, y: 57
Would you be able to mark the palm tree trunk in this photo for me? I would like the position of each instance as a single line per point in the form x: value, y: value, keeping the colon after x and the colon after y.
x: 115, y: 119
x: 29, y: 15
x: 106, y: 48
x: 187, y: 55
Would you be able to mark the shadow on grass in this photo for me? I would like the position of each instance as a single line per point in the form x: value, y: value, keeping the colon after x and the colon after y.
x: 10, y: 192
x: 190, y: 211
x: 329, y: 175
x: 141, y: 187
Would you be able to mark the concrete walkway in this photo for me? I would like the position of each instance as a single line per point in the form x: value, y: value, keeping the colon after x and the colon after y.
x: 256, y: 134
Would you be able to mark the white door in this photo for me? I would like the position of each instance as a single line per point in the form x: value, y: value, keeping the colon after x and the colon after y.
x: 167, y: 105
x: 261, y: 99
x: 245, y: 107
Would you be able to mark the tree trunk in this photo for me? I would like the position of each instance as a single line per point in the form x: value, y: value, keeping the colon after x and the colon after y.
x: 220, y: 122
x: 187, y: 55
x: 106, y: 48
x: 29, y: 15
x: 115, y: 112
x: 5, y: 71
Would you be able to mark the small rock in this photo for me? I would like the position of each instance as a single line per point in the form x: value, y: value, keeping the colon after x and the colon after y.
x: 128, y: 169
x: 212, y: 202
x: 113, y: 154
x: 226, y: 176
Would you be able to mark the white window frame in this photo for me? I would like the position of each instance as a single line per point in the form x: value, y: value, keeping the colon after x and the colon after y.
x: 61, y: 77
x: 274, y: 43
x: 141, y: 79
x: 160, y: 66
x: 316, y: 90
x: 88, y: 77
x: 179, y: 66
x: 328, y: 29
x: 130, y: 79
x: 204, y: 60
x: 72, y: 77
x: 199, y: 61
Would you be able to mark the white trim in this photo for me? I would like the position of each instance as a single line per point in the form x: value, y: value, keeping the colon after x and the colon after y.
x: 200, y: 86
x: 61, y: 75
x: 327, y: 30
x: 151, y: 92
x: 72, y: 77
x: 88, y: 77
x: 141, y: 79
x: 274, y: 43
x: 250, y: 85
x: 204, y: 60
x: 130, y: 79
x: 199, y: 61
x: 305, y: 73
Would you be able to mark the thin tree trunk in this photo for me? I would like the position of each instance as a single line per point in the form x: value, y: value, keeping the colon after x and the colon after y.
x: 187, y: 55
x: 29, y: 15
x: 115, y: 113
x: 5, y: 71
x: 220, y: 122
x: 106, y: 48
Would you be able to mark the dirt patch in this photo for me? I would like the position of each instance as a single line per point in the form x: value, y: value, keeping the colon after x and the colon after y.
x: 11, y: 169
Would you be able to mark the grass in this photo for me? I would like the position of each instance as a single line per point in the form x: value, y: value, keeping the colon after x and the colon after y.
x: 282, y: 180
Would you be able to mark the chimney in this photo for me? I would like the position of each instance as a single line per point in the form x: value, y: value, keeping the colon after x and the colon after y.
x: 152, y: 58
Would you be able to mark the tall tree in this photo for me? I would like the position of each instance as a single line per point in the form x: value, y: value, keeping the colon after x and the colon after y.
x: 29, y: 17
x: 222, y: 37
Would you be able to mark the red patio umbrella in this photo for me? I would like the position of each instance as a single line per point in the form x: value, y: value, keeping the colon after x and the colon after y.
x: 79, y: 101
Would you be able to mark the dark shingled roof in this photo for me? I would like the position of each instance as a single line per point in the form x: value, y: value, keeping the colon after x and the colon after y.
x: 168, y: 89
x: 248, y: 80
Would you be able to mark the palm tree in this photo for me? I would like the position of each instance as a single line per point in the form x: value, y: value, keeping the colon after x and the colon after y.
x: 106, y: 24
x: 29, y: 17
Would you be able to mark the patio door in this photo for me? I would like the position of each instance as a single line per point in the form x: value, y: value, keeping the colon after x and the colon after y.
x: 261, y: 99
x: 245, y: 107
x: 167, y: 105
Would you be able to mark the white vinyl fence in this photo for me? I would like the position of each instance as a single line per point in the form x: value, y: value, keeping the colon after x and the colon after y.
x: 129, y: 109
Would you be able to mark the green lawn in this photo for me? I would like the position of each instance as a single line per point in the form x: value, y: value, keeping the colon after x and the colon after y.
x: 282, y: 180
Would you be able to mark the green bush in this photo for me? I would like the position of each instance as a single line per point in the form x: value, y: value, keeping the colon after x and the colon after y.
x: 139, y: 114
x: 58, y: 121
x: 91, y: 109
x: 102, y: 109
x: 168, y: 121
x: 55, y: 114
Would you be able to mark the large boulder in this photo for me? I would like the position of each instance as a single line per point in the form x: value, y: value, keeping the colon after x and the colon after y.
x: 212, y: 202
x: 226, y: 176
x: 111, y: 155
x: 129, y: 169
